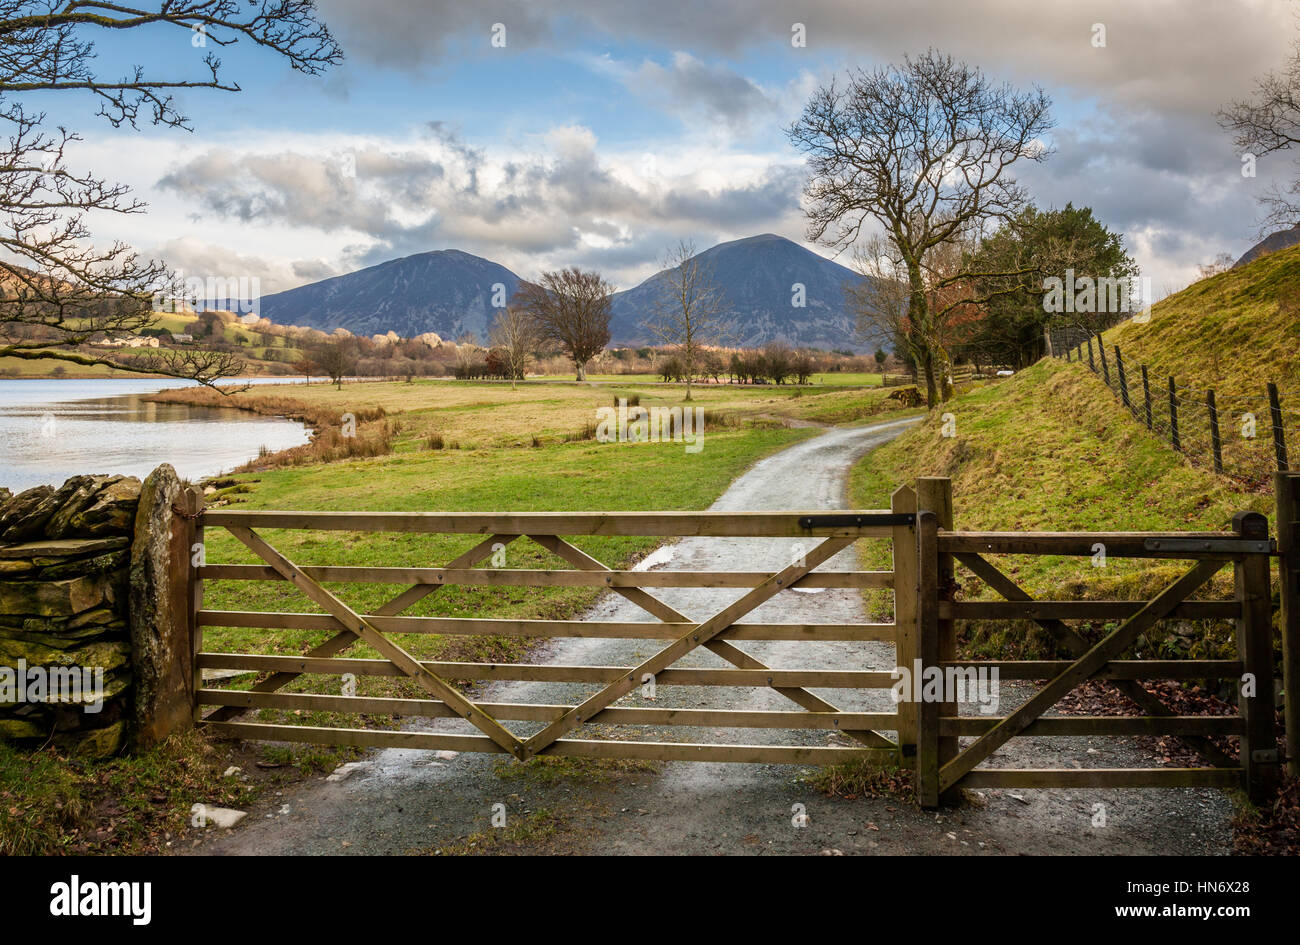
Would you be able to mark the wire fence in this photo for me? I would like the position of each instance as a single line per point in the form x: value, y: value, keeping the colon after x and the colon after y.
x: 1241, y: 436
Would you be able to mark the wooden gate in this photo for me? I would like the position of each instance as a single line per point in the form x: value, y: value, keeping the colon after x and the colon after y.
x: 723, y: 634
x: 925, y: 579
x: 945, y: 765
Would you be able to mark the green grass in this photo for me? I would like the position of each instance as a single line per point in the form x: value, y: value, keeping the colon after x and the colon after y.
x: 53, y: 804
x: 1049, y: 450
x: 1233, y: 332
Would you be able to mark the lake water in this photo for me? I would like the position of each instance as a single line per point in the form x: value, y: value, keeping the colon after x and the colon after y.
x: 53, y: 429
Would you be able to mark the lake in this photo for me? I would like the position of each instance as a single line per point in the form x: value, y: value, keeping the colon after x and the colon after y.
x: 53, y: 429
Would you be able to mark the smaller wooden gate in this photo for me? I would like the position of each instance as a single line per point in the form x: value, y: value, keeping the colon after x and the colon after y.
x: 723, y: 633
x: 944, y: 765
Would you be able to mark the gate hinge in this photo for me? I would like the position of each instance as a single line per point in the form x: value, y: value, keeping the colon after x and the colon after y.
x: 1264, y: 756
x: 857, y: 521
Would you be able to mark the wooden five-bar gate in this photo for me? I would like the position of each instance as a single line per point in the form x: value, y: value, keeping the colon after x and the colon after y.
x: 931, y: 563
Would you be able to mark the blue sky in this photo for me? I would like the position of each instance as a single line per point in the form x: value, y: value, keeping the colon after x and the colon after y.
x: 600, y: 133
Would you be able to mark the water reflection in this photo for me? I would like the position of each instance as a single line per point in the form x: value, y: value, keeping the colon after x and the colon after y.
x: 50, y: 430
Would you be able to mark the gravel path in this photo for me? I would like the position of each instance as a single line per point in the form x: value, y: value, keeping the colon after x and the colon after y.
x: 401, y: 800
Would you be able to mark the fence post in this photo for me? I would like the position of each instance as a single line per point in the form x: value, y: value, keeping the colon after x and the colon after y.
x: 1105, y: 368
x: 1173, y: 416
x: 1146, y: 394
x: 1215, y: 442
x: 906, y: 594
x: 190, y: 502
x: 934, y: 494
x: 1092, y: 365
x: 1123, y: 381
x: 1279, y: 435
x: 927, y: 742
x: 1286, y: 488
x: 1252, y: 579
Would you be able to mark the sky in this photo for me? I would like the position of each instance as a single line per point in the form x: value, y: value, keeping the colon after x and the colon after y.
x: 599, y: 133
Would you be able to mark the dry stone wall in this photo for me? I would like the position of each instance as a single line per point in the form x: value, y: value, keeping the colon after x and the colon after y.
x: 89, y: 645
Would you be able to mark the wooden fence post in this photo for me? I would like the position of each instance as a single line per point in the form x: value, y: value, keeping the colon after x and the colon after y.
x: 190, y: 501
x: 1146, y: 394
x: 1286, y: 488
x: 1092, y: 365
x: 906, y: 593
x: 1259, y: 756
x: 934, y: 494
x: 1105, y: 367
x: 1215, y: 442
x: 1279, y: 435
x: 1123, y: 381
x: 1173, y: 416
x: 927, y: 742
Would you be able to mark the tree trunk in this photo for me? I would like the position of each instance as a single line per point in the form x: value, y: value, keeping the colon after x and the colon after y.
x: 582, y: 371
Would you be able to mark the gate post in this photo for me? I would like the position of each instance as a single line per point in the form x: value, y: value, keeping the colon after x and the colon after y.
x: 1286, y: 487
x: 906, y: 651
x: 934, y: 494
x: 190, y: 503
x: 1255, y: 646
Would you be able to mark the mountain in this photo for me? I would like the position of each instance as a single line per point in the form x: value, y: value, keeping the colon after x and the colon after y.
x: 450, y: 292
x: 756, y: 276
x: 447, y: 292
x: 1282, y: 239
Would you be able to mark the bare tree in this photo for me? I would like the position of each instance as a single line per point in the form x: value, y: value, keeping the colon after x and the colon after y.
x: 689, y: 312
x: 57, y: 289
x: 923, y: 149
x: 571, y: 308
x: 1267, y: 123
x: 514, y: 336
x: 336, y: 358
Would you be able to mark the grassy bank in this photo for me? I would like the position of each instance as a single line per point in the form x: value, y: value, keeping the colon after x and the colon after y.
x: 1049, y: 450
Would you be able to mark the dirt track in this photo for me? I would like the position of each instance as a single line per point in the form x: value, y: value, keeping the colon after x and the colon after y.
x: 403, y: 800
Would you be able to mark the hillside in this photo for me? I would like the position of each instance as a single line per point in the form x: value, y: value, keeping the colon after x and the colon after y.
x: 756, y: 275
x: 1233, y: 332
x: 448, y: 292
x: 1049, y: 450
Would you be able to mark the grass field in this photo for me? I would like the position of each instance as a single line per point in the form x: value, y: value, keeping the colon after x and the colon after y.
x: 1048, y: 450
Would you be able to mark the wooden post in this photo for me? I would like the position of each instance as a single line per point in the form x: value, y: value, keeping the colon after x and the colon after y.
x: 1146, y: 394
x: 934, y: 494
x: 1173, y: 416
x: 1286, y: 487
x: 1279, y: 435
x: 1105, y: 368
x: 927, y: 746
x: 1259, y: 754
x: 906, y: 639
x: 191, y: 502
x: 1215, y: 442
x: 1123, y: 381
x: 1092, y: 365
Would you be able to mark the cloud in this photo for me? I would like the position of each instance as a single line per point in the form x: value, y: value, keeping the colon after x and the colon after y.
x: 698, y: 93
x: 557, y: 202
x: 1188, y: 55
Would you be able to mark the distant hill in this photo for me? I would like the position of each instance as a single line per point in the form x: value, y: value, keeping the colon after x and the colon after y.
x: 1270, y: 244
x: 450, y: 292
x: 447, y: 291
x: 1232, y: 332
x: 756, y: 276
